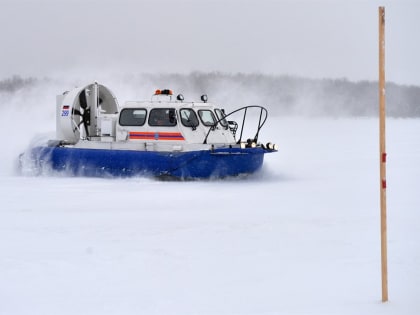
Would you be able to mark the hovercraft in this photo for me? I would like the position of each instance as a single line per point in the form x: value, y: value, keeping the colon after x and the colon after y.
x: 163, y: 137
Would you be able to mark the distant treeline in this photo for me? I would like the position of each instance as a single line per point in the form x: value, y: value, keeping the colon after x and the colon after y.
x: 281, y: 94
x: 16, y: 83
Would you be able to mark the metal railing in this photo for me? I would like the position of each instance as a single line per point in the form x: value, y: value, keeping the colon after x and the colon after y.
x: 261, y: 121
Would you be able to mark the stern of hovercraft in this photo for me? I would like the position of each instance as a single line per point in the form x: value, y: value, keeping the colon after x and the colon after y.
x: 89, y: 111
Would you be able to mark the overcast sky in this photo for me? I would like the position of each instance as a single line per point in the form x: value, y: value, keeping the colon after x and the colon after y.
x: 317, y: 39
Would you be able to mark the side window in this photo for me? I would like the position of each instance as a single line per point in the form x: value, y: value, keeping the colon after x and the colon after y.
x: 164, y: 117
x: 207, y: 117
x: 133, y: 117
x: 188, y: 117
x: 221, y: 116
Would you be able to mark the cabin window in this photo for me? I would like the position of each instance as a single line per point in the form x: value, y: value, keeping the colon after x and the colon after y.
x: 188, y: 117
x: 133, y: 117
x: 164, y: 117
x: 221, y: 117
x: 207, y: 117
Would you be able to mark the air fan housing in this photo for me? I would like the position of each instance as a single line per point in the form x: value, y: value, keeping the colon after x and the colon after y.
x: 71, y: 105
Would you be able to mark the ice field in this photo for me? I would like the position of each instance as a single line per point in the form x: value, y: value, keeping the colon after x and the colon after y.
x: 302, y: 236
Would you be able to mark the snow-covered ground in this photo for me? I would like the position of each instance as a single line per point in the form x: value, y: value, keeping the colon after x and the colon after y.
x: 301, y: 237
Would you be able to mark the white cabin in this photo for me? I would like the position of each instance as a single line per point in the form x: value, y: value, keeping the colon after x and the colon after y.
x: 91, y: 117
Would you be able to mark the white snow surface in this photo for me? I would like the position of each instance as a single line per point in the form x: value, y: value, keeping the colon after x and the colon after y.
x: 300, y: 237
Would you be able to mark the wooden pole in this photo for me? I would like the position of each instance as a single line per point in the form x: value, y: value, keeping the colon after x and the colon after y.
x: 382, y: 157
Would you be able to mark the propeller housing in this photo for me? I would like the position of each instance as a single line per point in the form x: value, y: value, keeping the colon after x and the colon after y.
x: 79, y: 111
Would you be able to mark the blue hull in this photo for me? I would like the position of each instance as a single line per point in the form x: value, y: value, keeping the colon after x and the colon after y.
x: 125, y: 163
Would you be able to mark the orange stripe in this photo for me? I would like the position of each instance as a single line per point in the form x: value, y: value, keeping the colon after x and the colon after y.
x: 147, y: 135
x: 164, y: 138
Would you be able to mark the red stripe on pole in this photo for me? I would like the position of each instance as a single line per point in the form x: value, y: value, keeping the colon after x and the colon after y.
x: 384, y: 184
x: 384, y: 157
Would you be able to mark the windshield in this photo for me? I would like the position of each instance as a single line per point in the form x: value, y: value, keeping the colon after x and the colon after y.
x: 207, y: 117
